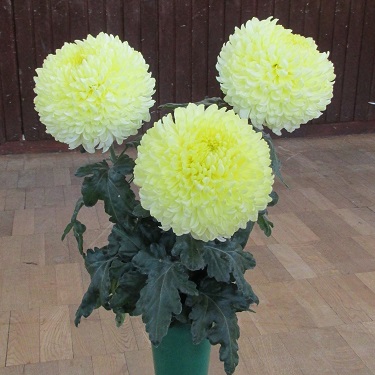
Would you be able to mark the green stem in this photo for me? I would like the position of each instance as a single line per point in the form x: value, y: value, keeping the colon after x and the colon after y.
x: 113, y: 156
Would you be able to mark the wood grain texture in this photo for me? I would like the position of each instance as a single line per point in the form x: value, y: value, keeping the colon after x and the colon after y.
x: 315, y: 275
x: 55, y: 334
x: 4, y: 335
x: 118, y: 340
x: 10, y: 112
x: 23, y: 340
x: 181, y: 40
x: 113, y: 364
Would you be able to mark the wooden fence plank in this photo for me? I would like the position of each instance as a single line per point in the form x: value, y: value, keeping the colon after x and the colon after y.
x: 339, y: 42
x: 297, y: 16
x: 115, y: 17
x: 183, y: 50
x: 264, y: 9
x: 216, y: 39
x: 355, y: 29
x: 10, y: 112
x: 78, y: 19
x: 199, y: 49
x: 150, y: 42
x: 232, y: 17
x: 281, y: 12
x: 2, y: 115
x: 311, y: 22
x: 96, y: 16
x: 60, y: 22
x: 366, y: 63
x: 248, y: 10
x: 132, y: 23
x: 42, y: 30
x: 324, y: 42
x: 180, y: 40
x: 167, y: 47
x: 371, y: 108
x: 24, y: 24
x: 43, y: 44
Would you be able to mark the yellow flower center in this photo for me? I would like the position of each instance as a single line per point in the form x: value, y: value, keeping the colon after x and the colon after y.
x: 213, y: 145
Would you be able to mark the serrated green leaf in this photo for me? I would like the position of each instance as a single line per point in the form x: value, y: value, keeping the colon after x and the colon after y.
x: 124, y: 165
x: 214, y: 317
x: 67, y: 229
x: 86, y: 170
x: 78, y: 230
x: 149, y: 230
x: 242, y: 235
x: 77, y: 208
x: 167, y: 240
x: 190, y: 252
x: 129, y: 282
x: 97, y: 264
x: 265, y: 224
x: 140, y: 212
x: 77, y: 226
x: 160, y: 298
x: 109, y: 185
x: 227, y: 259
x: 275, y: 161
x: 126, y: 243
x: 275, y: 198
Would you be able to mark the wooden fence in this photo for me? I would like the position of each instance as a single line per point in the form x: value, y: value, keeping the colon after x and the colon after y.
x: 180, y: 39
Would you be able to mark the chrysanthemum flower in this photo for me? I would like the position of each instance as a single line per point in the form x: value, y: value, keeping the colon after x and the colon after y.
x: 205, y: 172
x: 93, y: 92
x: 274, y: 77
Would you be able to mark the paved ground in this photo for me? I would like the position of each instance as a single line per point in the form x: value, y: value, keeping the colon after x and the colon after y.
x: 315, y: 275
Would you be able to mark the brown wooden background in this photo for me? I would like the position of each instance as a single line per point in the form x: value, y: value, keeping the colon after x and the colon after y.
x: 181, y: 39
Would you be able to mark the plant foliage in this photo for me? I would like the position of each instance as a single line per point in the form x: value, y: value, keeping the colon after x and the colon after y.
x: 146, y: 271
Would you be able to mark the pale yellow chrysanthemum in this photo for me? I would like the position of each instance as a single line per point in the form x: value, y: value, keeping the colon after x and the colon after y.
x: 274, y: 77
x: 93, y: 92
x: 205, y: 172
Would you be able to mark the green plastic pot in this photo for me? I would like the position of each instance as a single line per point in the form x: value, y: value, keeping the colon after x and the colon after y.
x: 177, y: 355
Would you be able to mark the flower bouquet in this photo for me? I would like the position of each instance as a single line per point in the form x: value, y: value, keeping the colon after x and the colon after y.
x: 183, y: 210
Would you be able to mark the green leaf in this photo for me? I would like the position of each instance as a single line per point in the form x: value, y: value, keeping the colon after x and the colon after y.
x: 139, y: 211
x: 124, y: 165
x: 190, y: 252
x: 78, y: 230
x: 264, y: 224
x: 167, y: 240
x: 275, y: 198
x: 160, y: 298
x: 226, y: 259
x: 242, y: 235
x: 206, y: 102
x: 133, y: 144
x: 77, y: 226
x: 97, y: 263
x: 275, y: 161
x: 214, y: 317
x: 149, y: 229
x: 110, y: 185
x: 126, y: 243
x: 129, y: 283
x: 120, y: 318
